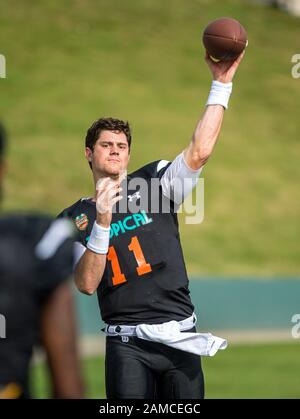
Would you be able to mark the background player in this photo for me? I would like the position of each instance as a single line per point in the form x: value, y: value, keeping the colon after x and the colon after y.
x: 36, y: 259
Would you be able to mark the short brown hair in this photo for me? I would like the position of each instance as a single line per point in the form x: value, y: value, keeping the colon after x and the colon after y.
x: 109, y: 124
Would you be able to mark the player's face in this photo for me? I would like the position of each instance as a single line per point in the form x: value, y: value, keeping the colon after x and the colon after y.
x: 110, y: 155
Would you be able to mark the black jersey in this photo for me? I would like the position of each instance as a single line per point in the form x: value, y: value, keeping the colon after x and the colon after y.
x: 145, y: 279
x: 36, y: 255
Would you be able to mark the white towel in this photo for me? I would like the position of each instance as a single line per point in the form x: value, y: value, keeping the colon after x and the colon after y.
x: 169, y: 334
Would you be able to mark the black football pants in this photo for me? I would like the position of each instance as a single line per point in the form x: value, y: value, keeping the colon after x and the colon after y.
x: 140, y: 369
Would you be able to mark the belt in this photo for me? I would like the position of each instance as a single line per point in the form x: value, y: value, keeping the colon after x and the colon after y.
x: 128, y: 330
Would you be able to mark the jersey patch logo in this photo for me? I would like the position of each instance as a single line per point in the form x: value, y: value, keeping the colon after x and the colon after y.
x: 136, y: 195
x: 82, y: 222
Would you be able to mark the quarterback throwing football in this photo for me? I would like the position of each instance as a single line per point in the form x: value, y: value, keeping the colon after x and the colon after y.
x: 134, y: 260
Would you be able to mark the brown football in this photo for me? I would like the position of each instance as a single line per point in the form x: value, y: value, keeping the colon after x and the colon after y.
x: 224, y: 39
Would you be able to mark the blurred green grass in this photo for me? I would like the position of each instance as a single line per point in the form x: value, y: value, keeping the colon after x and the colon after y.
x: 246, y: 371
x: 70, y: 62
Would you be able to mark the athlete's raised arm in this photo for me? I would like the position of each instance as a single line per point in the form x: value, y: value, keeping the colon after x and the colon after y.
x: 208, y: 128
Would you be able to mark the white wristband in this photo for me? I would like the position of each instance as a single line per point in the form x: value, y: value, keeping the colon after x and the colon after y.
x: 219, y: 94
x: 99, y: 239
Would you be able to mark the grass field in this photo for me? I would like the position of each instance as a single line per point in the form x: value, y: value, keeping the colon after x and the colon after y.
x: 71, y: 62
x: 252, y: 371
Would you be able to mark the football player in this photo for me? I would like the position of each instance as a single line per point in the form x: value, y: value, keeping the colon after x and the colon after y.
x: 133, y: 257
x: 36, y: 304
